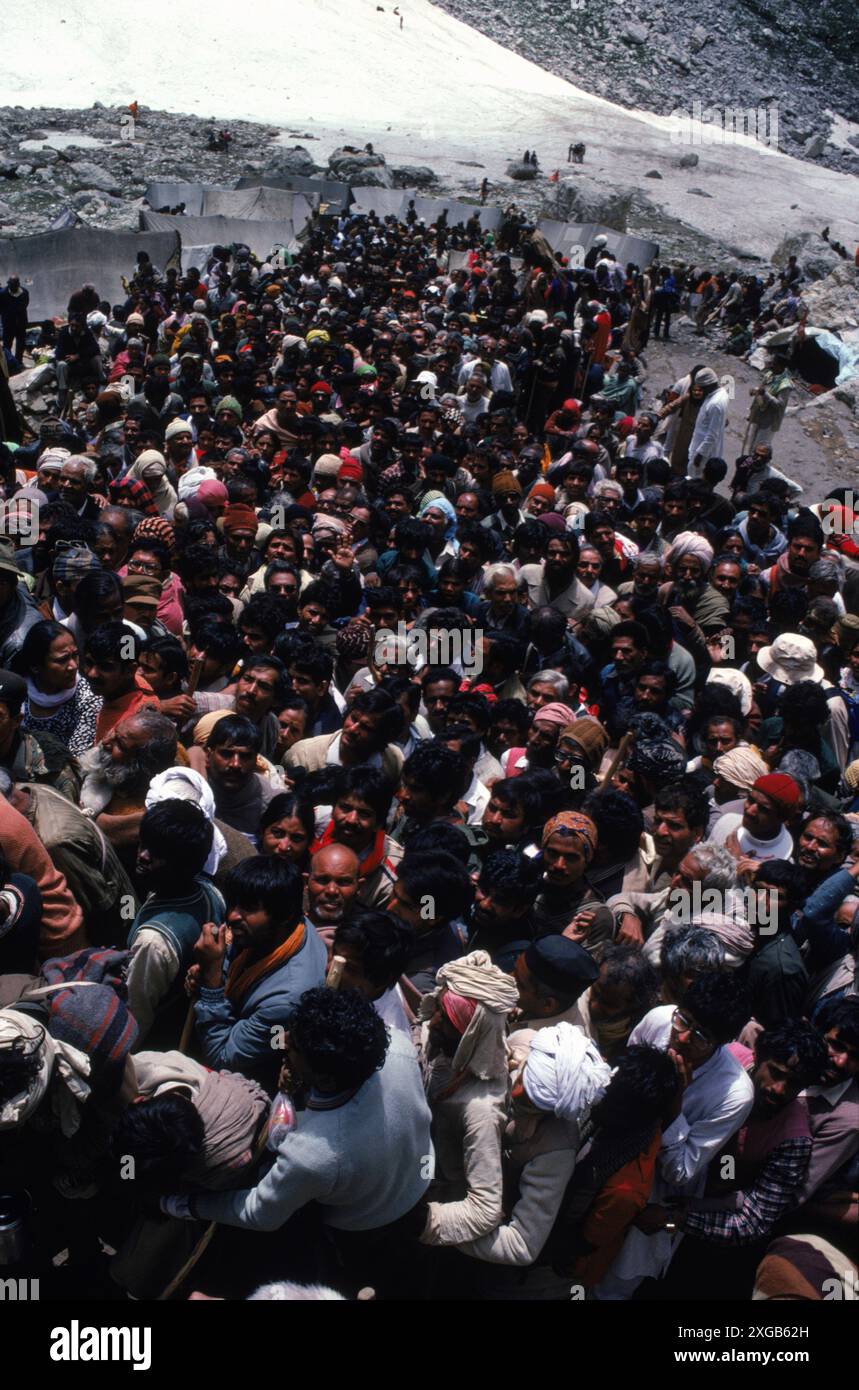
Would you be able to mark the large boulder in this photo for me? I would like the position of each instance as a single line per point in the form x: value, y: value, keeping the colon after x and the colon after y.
x: 814, y: 147
x: 82, y: 173
x: 814, y: 256
x: 361, y: 168
x: 833, y: 303
x: 585, y: 200
x: 298, y: 160
x: 523, y: 173
x: 413, y: 176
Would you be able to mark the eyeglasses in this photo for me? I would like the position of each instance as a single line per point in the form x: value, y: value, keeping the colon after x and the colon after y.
x: 136, y: 567
x: 683, y: 1025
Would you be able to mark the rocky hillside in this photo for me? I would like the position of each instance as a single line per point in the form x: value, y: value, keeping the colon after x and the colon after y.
x: 798, y: 54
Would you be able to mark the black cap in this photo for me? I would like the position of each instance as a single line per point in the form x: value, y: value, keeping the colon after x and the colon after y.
x: 561, y: 965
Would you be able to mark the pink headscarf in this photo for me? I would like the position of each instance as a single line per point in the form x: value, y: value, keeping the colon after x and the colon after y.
x: 458, y: 1009
x: 212, y: 490
x: 555, y: 713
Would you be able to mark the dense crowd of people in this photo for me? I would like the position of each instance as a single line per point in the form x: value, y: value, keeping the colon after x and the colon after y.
x: 429, y: 809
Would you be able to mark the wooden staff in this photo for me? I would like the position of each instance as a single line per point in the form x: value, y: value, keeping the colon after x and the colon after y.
x: 618, y: 760
x: 195, y: 674
x: 335, y: 972
x: 187, y: 1029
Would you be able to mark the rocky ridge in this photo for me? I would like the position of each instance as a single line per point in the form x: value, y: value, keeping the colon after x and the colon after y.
x: 799, y: 55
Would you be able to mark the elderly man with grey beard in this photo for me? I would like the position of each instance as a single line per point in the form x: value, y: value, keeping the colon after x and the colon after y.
x: 117, y: 773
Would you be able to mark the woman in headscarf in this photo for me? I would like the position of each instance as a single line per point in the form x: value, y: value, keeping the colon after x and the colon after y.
x: 464, y: 1060
x: 440, y: 516
x: 151, y: 468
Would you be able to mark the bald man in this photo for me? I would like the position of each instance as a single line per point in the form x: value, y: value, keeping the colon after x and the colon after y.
x: 332, y: 889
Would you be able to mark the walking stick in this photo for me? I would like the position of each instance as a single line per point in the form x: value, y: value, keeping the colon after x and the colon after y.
x: 617, y: 761
x: 750, y: 426
x: 335, y: 972
x: 194, y: 675
x: 187, y: 1030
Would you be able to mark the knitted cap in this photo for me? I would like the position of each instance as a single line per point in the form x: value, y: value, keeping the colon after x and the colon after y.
x: 591, y: 737
x: 781, y: 789
x: 239, y: 517
x: 231, y: 404
x: 505, y: 481
x: 177, y: 427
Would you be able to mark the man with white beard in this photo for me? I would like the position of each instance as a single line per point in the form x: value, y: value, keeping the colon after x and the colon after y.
x: 117, y: 773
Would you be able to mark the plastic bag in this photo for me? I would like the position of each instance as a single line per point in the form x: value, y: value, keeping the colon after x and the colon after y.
x: 281, y: 1120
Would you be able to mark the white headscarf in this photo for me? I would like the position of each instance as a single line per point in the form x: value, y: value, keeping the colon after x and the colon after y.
x: 564, y: 1073
x: 72, y: 1069
x: 736, y: 681
x: 190, y: 481
x: 692, y: 543
x: 183, y: 784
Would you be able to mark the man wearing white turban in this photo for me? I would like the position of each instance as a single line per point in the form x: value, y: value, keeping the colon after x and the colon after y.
x: 193, y: 479
x: 183, y: 784
x: 176, y: 841
x: 562, y: 1077
x: 53, y: 1061
x: 699, y: 611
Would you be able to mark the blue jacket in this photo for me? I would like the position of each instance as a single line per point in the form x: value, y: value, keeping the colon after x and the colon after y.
x: 241, y: 1037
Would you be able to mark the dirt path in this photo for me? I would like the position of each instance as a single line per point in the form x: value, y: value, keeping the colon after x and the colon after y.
x: 817, y: 447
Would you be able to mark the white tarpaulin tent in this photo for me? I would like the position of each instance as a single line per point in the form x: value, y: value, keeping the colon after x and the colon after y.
x: 52, y: 265
x: 572, y: 240
x: 385, y: 202
x: 199, y: 234
x: 333, y: 196
x: 259, y: 204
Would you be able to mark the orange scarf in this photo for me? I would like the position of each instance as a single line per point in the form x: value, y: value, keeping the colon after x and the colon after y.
x: 241, y: 977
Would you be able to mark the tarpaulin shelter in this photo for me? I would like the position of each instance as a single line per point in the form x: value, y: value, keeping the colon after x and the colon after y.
x: 573, y: 239
x: 52, y: 265
x: 334, y: 197
x: 199, y: 234
x: 820, y: 357
x: 258, y: 204
x: 385, y: 202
